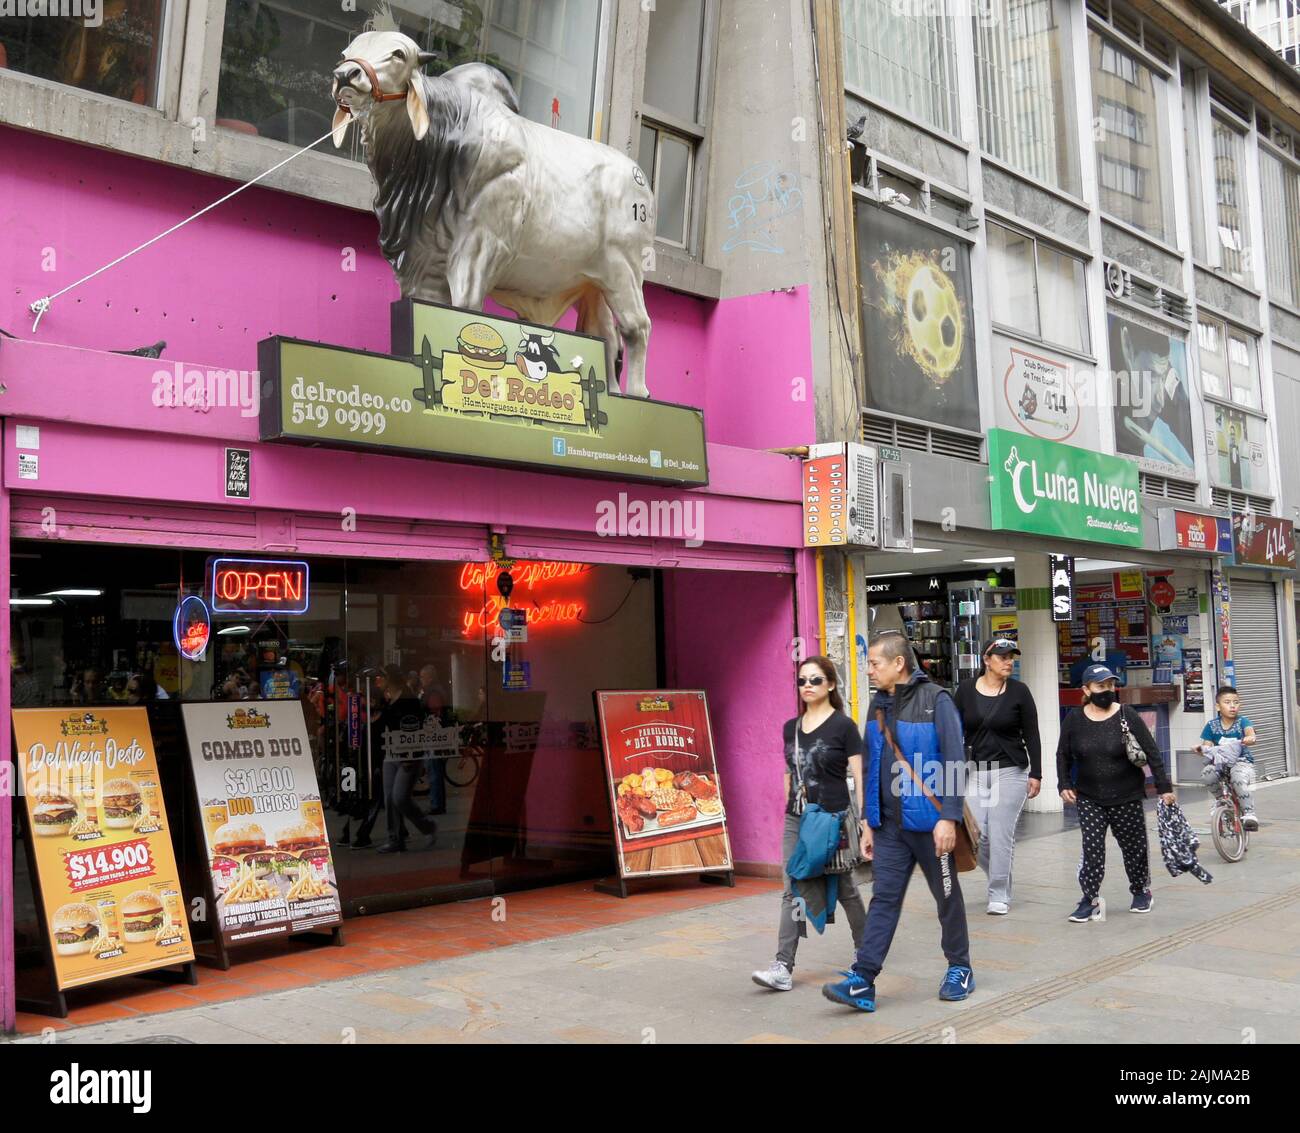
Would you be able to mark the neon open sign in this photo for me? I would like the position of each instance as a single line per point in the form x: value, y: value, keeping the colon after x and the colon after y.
x: 259, y: 586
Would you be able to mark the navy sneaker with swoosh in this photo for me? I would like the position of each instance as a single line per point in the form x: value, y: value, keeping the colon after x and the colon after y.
x: 852, y: 991
x: 957, y: 984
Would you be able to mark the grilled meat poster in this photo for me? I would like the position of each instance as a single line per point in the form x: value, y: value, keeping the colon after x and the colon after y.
x: 101, y: 842
x: 263, y: 823
x: 663, y: 781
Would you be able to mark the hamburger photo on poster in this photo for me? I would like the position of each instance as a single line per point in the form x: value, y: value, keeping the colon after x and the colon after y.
x: 268, y: 851
x: 101, y: 844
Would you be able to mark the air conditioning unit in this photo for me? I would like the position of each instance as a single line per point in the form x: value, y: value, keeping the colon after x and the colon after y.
x: 841, y: 492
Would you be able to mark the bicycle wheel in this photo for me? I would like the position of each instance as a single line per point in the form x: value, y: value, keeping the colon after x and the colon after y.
x: 1228, y: 833
x: 461, y: 771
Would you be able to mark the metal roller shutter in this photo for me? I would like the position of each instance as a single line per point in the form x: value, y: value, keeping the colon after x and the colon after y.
x: 1257, y: 655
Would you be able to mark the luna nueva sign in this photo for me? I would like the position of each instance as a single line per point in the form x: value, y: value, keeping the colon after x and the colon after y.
x: 1054, y: 489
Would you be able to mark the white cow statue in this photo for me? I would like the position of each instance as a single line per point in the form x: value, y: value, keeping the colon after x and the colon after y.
x: 474, y: 200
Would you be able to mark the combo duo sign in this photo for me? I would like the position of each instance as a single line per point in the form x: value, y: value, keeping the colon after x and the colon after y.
x: 1050, y: 488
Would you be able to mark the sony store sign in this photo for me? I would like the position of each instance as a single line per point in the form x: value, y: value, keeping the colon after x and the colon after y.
x: 1048, y: 488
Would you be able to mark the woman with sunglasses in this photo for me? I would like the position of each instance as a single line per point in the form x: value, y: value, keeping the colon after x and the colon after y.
x: 1000, y: 721
x: 823, y: 747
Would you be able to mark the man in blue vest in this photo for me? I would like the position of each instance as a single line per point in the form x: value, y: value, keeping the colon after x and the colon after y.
x: 902, y: 827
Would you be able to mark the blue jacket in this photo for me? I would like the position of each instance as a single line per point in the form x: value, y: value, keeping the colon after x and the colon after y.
x: 927, y: 728
x: 819, y: 835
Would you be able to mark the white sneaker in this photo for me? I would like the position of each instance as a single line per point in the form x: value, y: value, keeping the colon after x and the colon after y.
x: 775, y: 978
x: 998, y: 909
x: 1250, y: 822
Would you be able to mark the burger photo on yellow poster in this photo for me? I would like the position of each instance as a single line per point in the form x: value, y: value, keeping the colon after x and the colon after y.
x: 101, y: 846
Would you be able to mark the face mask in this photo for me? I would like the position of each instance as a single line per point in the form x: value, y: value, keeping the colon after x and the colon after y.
x: 1103, y: 699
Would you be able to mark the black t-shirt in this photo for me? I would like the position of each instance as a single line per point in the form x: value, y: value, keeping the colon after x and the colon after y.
x: 823, y: 761
x: 1003, y: 728
x: 405, y: 714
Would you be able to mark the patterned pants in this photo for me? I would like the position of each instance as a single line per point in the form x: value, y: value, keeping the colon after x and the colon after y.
x: 1127, y: 821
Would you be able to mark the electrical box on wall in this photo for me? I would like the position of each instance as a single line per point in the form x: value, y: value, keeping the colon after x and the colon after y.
x: 895, y: 478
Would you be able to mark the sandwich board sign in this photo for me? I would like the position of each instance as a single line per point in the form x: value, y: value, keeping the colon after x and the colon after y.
x: 99, y: 839
x: 262, y: 820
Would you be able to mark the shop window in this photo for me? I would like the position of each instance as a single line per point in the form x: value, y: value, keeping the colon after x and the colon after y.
x: 674, y: 113
x: 1037, y: 289
x: 516, y: 783
x: 1229, y: 363
x: 277, y: 58
x: 903, y: 55
x: 1132, y: 147
x: 117, y: 56
x: 1280, y: 182
x: 1021, y: 88
x: 1192, y: 128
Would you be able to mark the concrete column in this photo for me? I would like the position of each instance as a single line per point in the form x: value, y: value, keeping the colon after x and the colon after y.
x: 1038, y: 666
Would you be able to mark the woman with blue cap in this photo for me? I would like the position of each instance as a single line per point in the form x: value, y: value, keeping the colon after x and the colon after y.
x: 1099, y: 764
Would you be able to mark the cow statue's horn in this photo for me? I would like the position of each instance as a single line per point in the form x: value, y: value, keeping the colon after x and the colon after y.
x: 427, y: 57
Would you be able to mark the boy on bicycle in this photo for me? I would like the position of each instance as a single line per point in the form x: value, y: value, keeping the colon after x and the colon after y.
x: 1231, y: 724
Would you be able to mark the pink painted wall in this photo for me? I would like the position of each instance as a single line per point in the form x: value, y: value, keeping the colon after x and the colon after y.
x: 732, y: 636
x: 269, y: 263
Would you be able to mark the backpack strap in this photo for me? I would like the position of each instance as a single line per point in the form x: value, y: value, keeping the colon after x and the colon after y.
x: 898, y: 758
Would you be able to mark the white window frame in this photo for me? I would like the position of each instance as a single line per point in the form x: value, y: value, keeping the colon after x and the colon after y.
x: 1228, y: 326
x: 695, y: 134
x: 1088, y: 350
x: 1166, y: 93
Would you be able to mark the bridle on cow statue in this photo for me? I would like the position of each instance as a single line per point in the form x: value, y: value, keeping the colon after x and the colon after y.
x: 375, y: 92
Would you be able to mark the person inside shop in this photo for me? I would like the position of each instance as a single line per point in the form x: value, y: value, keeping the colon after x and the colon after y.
x: 1095, y: 765
x: 88, y: 688
x: 1000, y: 721
x: 401, y: 712
x: 905, y: 826
x: 433, y: 699
x: 1225, y: 761
x: 822, y: 750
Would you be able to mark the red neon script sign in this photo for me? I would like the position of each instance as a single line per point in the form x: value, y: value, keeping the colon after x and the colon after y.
x: 528, y: 576
x: 259, y: 586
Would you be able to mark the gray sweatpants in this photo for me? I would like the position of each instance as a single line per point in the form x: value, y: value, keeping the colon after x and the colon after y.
x: 997, y: 800
x: 1242, y: 776
x: 794, y: 925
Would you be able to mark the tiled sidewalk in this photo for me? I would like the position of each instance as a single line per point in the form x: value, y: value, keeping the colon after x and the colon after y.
x: 397, y: 940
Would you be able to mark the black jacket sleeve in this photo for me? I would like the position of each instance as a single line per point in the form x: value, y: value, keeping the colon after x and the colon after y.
x: 1065, y: 754
x: 1142, y: 734
x: 1029, y: 725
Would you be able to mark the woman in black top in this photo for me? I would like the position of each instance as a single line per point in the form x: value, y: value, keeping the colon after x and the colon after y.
x: 828, y: 749
x: 1097, y: 776
x: 1000, y: 721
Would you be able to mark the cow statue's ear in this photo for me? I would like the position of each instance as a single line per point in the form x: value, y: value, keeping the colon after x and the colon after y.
x: 417, y: 112
x: 340, y: 126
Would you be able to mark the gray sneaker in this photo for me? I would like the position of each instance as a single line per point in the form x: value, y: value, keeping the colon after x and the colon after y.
x: 775, y: 978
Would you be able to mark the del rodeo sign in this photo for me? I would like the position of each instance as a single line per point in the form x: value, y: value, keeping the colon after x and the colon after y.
x: 469, y: 386
x: 1054, y: 489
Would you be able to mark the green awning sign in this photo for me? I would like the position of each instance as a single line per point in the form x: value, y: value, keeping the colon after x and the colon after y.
x: 1049, y: 488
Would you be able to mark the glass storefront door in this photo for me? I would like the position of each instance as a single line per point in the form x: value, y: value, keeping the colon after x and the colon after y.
x: 477, y: 756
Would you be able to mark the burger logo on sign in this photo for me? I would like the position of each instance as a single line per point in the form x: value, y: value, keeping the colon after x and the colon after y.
x: 248, y: 718
x: 87, y: 724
